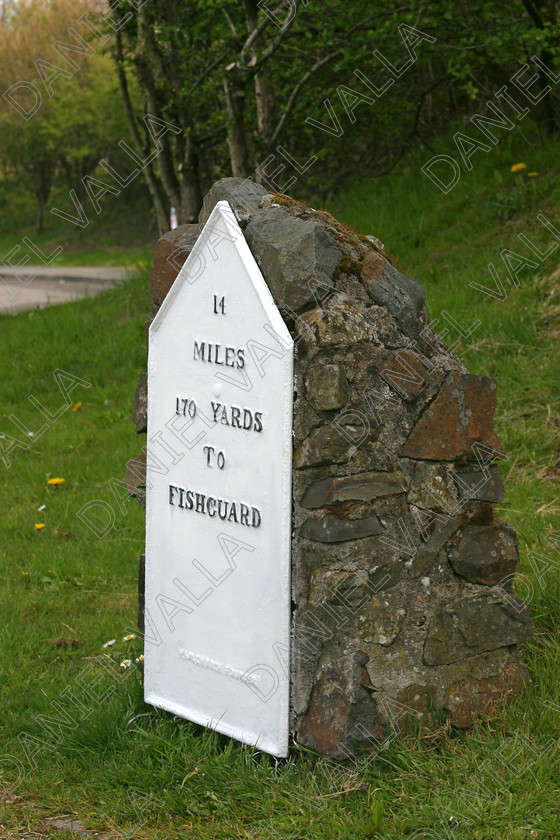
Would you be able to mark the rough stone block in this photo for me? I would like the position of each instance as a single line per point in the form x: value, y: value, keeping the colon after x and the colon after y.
x: 338, y: 702
x: 244, y: 196
x: 326, y: 387
x: 465, y: 626
x: 363, y: 487
x: 335, y: 326
x: 326, y: 445
x: 332, y: 528
x: 460, y: 415
x: 485, y: 553
x: 342, y: 588
x: 405, y: 372
x: 381, y: 623
x: 296, y: 256
x: 428, y: 551
x: 403, y: 296
x: 171, y: 251
x: 140, y: 412
x: 432, y: 487
x: 469, y: 697
x: 479, y: 486
x: 135, y: 477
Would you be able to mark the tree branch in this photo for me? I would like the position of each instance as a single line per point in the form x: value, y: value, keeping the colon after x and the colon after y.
x: 295, y: 92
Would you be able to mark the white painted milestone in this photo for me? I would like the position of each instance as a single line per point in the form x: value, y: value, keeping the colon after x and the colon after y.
x: 218, y: 506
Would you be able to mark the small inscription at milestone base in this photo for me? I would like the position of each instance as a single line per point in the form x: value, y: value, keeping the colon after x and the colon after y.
x: 218, y: 519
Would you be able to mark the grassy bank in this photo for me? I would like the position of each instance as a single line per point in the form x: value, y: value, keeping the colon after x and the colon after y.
x: 128, y: 770
x: 122, y: 234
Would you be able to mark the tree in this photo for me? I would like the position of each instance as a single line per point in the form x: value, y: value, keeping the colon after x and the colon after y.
x: 60, y: 111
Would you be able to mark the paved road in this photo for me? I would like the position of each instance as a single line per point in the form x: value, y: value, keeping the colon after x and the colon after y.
x: 32, y: 287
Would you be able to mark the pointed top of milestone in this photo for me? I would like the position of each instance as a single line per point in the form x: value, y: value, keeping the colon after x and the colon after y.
x: 221, y: 256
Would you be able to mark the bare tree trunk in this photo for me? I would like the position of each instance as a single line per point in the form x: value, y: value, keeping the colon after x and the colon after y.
x: 191, y: 191
x: 264, y: 91
x: 237, y: 131
x: 154, y: 187
x: 266, y: 112
x: 40, y: 210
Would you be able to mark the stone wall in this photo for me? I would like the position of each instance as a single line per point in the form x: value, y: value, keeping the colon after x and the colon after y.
x: 397, y: 556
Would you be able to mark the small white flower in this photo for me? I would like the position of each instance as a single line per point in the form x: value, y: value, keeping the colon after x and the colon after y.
x: 109, y: 643
x: 42, y: 507
x: 126, y: 663
x: 140, y: 658
x: 128, y: 637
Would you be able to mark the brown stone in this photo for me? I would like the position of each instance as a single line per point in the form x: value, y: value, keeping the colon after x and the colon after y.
x: 338, y: 703
x: 362, y: 487
x: 135, y: 477
x: 325, y: 724
x: 485, y: 553
x: 140, y: 412
x: 418, y: 699
x: 334, y: 326
x: 405, y: 372
x: 459, y: 416
x: 170, y: 253
x: 332, y: 528
x: 326, y: 387
x: 468, y: 697
x: 147, y: 325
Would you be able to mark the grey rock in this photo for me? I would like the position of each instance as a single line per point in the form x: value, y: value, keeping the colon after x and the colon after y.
x: 326, y: 445
x: 431, y: 487
x: 296, y: 256
x: 243, y: 195
x: 403, y: 296
x: 332, y: 528
x: 480, y: 487
x: 140, y: 412
x: 428, y: 551
x: 337, y: 325
x: 342, y: 588
x: 466, y: 626
x: 362, y: 487
x: 486, y: 553
x: 326, y: 387
x: 382, y: 622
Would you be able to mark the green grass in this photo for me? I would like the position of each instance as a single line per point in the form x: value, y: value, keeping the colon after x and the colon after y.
x: 121, y: 235
x: 128, y: 765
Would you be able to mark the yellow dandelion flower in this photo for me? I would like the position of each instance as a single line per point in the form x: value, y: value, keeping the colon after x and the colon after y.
x: 55, y: 481
x: 532, y: 174
x: 77, y: 406
x: 39, y: 525
x: 517, y: 167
